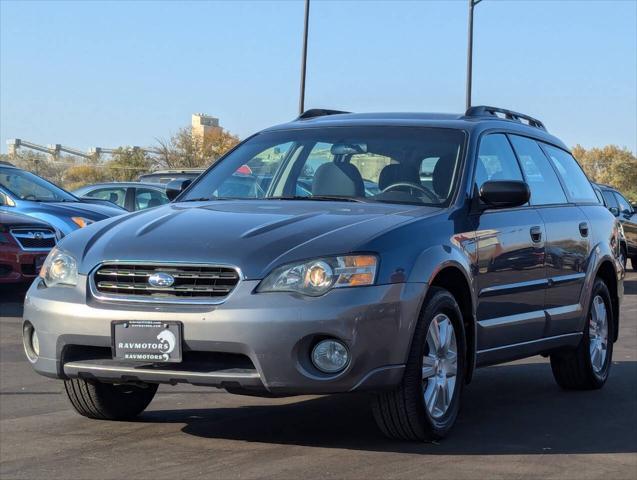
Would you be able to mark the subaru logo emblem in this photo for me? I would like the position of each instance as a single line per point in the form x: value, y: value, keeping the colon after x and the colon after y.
x: 38, y: 235
x: 161, y: 279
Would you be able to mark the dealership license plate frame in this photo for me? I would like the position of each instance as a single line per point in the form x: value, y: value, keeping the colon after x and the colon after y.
x: 152, y: 328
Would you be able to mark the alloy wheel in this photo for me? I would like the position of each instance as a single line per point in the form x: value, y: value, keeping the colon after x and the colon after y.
x: 598, y: 333
x: 439, y: 366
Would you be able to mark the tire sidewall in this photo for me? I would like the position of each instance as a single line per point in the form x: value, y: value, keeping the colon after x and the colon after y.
x: 440, y: 301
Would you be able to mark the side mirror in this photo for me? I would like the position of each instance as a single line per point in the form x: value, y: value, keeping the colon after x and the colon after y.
x: 505, y: 193
x: 175, y: 187
x: 614, y: 210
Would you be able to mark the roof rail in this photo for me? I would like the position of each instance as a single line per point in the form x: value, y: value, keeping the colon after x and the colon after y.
x: 483, y: 111
x: 318, y: 112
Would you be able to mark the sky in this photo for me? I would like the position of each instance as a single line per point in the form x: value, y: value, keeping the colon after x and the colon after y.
x: 111, y: 73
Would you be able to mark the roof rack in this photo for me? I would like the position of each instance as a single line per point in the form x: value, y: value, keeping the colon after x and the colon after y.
x: 483, y: 111
x: 318, y: 112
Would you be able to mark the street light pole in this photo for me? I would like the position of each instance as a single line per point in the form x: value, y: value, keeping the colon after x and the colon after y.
x: 304, y: 58
x: 472, y: 4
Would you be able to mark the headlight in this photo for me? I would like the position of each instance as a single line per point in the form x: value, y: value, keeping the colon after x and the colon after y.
x: 81, y: 221
x: 316, y: 277
x: 59, y: 268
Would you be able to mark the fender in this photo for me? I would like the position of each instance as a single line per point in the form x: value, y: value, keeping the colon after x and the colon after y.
x: 458, y: 255
x: 600, y: 253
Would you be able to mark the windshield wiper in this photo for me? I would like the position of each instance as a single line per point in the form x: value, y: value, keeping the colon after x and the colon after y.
x: 319, y: 198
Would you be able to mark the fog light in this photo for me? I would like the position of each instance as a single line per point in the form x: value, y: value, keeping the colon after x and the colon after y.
x: 31, y: 342
x: 35, y: 343
x: 330, y: 356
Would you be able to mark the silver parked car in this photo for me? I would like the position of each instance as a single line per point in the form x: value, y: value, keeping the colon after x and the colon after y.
x: 245, y: 284
x: 131, y: 196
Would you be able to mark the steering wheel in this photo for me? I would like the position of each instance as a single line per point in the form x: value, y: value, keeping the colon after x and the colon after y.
x: 30, y: 196
x: 412, y: 186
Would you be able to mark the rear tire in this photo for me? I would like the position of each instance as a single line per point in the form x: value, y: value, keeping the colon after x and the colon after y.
x: 587, y: 366
x: 403, y: 413
x: 106, y: 401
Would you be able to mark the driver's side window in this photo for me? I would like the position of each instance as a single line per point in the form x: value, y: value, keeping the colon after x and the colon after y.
x: 496, y: 160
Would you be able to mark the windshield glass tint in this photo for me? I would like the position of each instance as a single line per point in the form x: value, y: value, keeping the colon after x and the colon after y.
x: 27, y: 186
x: 384, y: 164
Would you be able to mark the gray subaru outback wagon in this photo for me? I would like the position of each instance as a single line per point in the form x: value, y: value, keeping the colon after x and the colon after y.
x: 279, y: 271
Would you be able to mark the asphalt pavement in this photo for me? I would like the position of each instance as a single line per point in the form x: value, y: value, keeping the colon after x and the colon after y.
x: 515, y: 423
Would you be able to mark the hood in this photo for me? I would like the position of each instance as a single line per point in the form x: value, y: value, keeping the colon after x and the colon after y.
x: 254, y: 236
x: 92, y: 211
x: 59, y: 214
x: 13, y: 220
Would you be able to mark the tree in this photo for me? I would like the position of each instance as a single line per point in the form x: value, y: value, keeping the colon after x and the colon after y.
x: 185, y: 150
x: 128, y: 163
x: 611, y: 165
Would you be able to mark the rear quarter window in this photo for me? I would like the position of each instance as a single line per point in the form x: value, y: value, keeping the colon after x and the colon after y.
x: 578, y: 187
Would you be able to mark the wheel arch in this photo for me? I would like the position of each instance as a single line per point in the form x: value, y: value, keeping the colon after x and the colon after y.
x: 454, y: 280
x: 606, y: 271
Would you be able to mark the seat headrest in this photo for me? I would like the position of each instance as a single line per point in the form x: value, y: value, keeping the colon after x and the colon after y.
x: 338, y: 179
x: 397, y: 173
x: 442, y: 175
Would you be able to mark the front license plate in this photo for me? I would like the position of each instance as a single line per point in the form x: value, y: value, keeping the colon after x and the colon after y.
x: 147, y: 341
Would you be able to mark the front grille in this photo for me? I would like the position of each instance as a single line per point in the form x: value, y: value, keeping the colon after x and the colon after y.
x: 34, y: 238
x: 191, y: 282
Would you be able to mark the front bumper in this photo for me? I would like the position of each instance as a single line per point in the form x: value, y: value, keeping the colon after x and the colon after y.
x: 18, y: 266
x: 275, y: 331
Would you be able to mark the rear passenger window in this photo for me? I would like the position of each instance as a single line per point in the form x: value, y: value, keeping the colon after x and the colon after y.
x: 496, y: 160
x: 543, y: 182
x: 575, y: 181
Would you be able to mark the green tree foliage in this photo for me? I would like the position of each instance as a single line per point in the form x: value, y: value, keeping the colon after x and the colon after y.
x: 128, y: 163
x: 611, y: 165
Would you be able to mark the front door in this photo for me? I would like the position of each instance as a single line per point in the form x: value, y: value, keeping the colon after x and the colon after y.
x: 511, y: 273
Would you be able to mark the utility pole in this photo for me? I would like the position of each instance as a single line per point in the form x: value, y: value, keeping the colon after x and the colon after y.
x: 304, y: 58
x: 472, y: 4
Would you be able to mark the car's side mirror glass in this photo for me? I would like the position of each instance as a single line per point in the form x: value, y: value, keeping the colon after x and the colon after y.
x: 504, y: 193
x: 175, y: 187
x: 614, y: 210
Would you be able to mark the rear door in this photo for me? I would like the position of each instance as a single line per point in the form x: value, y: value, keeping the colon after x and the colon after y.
x: 569, y: 232
x: 510, y: 245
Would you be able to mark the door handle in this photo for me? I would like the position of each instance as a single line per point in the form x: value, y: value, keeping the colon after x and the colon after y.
x: 583, y: 229
x: 536, y: 234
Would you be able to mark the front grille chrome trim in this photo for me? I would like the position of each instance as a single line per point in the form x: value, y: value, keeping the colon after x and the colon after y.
x: 22, y: 235
x: 105, y: 282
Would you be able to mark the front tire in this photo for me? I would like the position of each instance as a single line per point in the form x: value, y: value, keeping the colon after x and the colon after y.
x: 106, y: 401
x: 426, y: 403
x: 587, y: 367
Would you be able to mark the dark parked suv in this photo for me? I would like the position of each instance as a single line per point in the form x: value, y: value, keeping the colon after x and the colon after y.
x: 503, y: 253
x: 627, y: 216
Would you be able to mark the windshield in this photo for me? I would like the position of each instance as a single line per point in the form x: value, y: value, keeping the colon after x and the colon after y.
x: 412, y: 165
x: 27, y: 186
